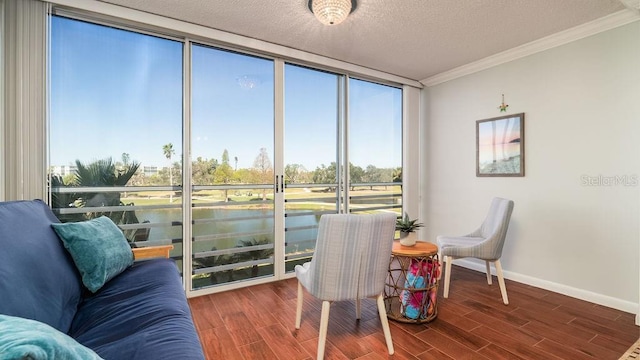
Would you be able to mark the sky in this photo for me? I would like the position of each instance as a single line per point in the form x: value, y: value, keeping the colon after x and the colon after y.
x: 114, y: 91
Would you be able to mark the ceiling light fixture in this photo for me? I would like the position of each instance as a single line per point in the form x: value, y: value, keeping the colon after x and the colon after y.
x: 332, y: 12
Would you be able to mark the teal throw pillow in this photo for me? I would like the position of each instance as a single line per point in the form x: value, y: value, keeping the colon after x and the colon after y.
x: 98, y: 248
x: 22, y: 338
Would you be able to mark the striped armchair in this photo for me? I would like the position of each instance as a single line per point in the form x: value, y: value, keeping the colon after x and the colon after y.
x: 350, y: 262
x: 485, y: 243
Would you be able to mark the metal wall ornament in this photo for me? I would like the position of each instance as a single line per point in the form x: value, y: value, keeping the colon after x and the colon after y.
x: 503, y: 107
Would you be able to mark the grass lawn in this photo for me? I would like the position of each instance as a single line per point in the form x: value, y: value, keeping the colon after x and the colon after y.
x: 148, y: 198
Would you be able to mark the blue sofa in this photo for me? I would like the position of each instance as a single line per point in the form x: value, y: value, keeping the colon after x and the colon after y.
x: 142, y: 313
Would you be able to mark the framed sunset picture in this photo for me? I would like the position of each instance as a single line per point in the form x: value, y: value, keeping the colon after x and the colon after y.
x: 500, y: 146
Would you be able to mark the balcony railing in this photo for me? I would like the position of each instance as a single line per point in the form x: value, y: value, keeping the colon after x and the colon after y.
x: 232, y: 226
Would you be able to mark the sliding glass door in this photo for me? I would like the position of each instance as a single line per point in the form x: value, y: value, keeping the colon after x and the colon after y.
x: 312, y: 118
x: 321, y: 137
x: 269, y: 147
x: 115, y: 130
x: 232, y: 142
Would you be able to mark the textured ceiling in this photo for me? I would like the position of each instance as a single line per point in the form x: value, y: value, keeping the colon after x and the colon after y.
x: 415, y: 39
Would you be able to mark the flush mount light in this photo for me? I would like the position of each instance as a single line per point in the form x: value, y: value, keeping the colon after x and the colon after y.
x: 332, y: 12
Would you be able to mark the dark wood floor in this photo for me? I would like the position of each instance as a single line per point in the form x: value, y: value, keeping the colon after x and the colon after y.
x: 258, y: 323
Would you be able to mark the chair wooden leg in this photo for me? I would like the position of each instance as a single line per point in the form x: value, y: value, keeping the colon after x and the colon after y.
x: 447, y: 275
x: 299, y: 305
x: 358, y: 311
x: 385, y: 323
x: 488, y: 272
x: 503, y: 288
x: 324, y: 323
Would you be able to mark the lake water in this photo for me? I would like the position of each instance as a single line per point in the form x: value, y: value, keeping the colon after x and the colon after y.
x: 222, y: 232
x: 502, y: 152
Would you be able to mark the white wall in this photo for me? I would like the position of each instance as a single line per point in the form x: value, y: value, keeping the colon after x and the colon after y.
x: 582, y: 118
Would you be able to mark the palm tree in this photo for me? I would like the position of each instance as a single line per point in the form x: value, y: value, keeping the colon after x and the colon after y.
x: 168, y: 151
x: 104, y: 173
x: 126, y: 158
x: 125, y: 161
x: 60, y: 200
x: 255, y: 254
x: 213, y: 261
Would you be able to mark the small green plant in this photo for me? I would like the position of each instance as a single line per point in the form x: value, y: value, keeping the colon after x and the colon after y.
x: 406, y: 225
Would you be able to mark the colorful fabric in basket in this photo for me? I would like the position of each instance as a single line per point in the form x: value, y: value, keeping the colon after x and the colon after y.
x: 421, y: 274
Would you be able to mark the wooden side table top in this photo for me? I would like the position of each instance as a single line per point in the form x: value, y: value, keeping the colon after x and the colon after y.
x: 421, y: 248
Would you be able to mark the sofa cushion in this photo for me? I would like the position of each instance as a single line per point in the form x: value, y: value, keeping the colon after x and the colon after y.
x: 22, y: 338
x: 98, y: 248
x: 37, y: 277
x: 140, y: 314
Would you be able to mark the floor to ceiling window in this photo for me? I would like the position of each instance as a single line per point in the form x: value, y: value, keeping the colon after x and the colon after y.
x: 312, y: 118
x: 374, y: 147
x: 2, y: 103
x: 232, y: 140
x: 321, y: 138
x: 115, y: 130
x: 270, y: 147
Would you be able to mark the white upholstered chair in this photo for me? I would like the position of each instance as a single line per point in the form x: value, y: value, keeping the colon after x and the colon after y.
x: 350, y: 262
x: 485, y: 243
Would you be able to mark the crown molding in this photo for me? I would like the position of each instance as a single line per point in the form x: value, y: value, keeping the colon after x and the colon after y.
x: 602, y: 24
x: 631, y: 4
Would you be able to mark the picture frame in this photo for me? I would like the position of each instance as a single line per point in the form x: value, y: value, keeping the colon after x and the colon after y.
x: 500, y: 146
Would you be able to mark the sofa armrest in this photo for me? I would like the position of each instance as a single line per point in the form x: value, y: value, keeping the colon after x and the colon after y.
x: 151, y: 252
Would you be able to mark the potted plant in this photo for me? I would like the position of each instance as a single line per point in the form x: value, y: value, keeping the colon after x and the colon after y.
x: 406, y: 228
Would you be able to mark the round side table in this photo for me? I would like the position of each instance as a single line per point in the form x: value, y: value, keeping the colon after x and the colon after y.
x: 410, y: 293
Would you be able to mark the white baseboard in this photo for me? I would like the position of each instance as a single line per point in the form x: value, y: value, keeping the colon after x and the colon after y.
x: 608, y: 301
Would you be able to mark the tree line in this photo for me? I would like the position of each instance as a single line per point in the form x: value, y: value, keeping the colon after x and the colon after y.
x: 213, y: 171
